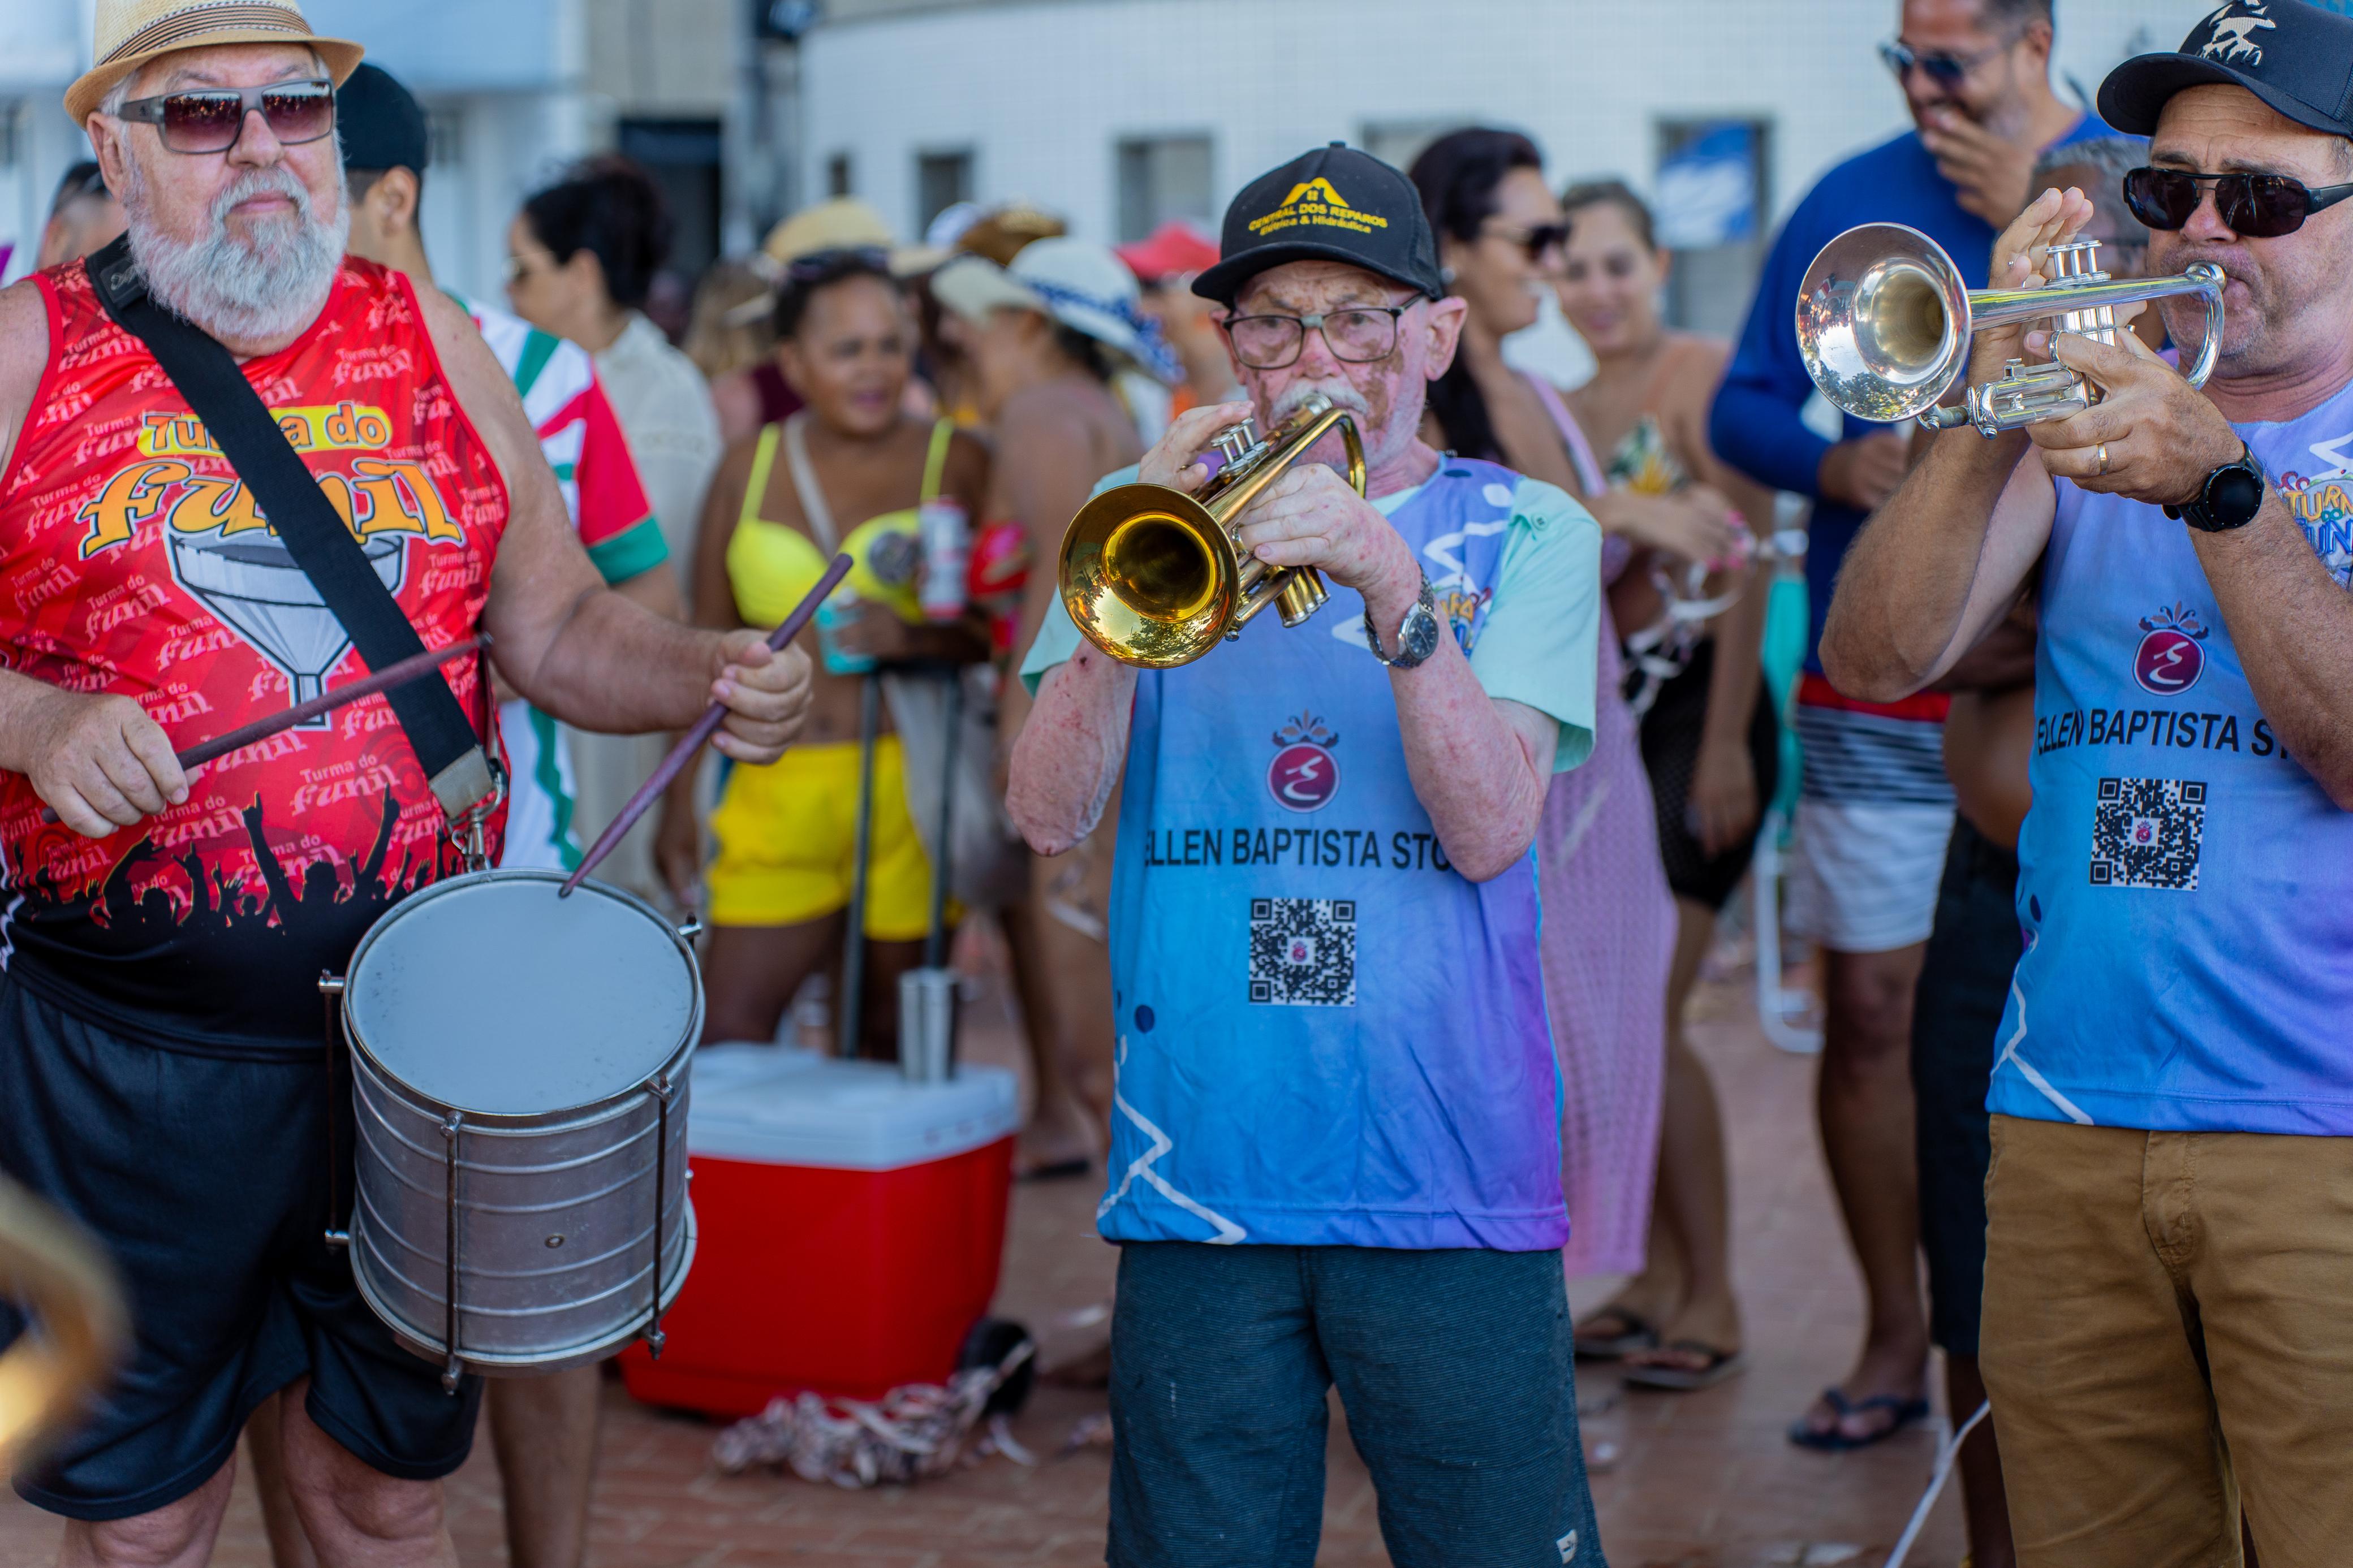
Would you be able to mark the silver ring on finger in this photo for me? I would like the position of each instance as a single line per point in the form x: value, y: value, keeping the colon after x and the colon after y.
x: 2102, y: 451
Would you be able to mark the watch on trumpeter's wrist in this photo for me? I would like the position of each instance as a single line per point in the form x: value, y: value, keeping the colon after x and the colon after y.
x: 1417, y: 634
x: 2229, y: 499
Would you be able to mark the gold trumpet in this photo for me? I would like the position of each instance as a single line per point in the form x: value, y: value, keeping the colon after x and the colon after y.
x: 1154, y: 577
x: 1884, y: 323
x: 77, y: 1327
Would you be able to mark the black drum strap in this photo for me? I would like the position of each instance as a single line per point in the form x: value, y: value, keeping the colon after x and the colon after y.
x: 297, y: 511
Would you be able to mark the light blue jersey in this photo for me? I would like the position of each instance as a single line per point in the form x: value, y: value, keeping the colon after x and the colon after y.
x: 2186, y: 889
x: 1327, y: 1036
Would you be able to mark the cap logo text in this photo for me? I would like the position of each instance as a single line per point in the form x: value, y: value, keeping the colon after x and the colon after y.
x: 1314, y: 202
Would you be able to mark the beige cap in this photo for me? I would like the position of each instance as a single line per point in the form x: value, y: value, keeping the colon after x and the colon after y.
x: 129, y: 33
x: 845, y: 222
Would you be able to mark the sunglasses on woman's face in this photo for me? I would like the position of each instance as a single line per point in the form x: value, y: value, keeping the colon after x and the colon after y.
x: 2254, y: 207
x: 210, y: 119
x: 1535, y: 241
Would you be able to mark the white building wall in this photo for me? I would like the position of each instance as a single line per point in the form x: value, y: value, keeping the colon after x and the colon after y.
x: 1043, y: 90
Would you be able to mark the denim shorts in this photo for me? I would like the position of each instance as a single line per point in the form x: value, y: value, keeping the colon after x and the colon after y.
x: 1455, y: 1368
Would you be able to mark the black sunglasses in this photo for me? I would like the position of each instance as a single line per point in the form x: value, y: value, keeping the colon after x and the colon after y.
x: 819, y: 266
x: 1535, y: 241
x: 211, y: 118
x: 1946, y: 71
x: 2257, y: 206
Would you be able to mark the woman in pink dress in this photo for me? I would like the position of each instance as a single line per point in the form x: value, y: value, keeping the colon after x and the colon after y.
x: 1609, y: 922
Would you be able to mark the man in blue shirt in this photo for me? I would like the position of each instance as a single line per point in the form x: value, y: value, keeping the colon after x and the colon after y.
x: 1876, y: 810
x: 2168, y: 1272
x: 1335, y: 1154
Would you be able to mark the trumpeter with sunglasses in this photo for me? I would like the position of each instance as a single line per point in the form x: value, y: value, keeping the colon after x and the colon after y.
x: 160, y: 1046
x: 1874, y: 810
x: 2168, y: 1331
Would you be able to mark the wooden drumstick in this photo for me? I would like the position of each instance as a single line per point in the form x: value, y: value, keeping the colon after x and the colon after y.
x: 693, y: 739
x: 414, y: 668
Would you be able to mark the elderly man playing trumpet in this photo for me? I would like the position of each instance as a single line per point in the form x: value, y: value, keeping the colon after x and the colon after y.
x: 2168, y: 1288
x: 1336, y: 1152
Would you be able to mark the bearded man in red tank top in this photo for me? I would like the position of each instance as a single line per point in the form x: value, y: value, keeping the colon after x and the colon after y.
x: 161, y: 941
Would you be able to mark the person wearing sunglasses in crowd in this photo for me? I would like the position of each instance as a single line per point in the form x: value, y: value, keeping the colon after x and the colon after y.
x: 1337, y: 1160
x: 84, y: 217
x: 581, y: 261
x: 2169, y: 1268
x: 158, y: 1016
x: 1875, y: 811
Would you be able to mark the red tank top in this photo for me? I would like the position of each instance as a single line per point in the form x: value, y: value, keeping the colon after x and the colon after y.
x: 133, y: 561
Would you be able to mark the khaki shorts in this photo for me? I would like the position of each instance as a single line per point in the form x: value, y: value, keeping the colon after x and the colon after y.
x: 2168, y: 1335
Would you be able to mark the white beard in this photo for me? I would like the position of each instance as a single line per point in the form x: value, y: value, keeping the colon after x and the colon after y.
x: 264, y: 287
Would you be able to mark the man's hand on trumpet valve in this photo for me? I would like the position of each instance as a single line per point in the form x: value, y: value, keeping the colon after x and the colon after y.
x: 1312, y: 517
x: 1174, y: 459
x: 2021, y: 259
x: 2151, y: 438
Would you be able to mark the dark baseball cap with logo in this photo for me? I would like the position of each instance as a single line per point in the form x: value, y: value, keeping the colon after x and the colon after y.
x: 2294, y: 57
x: 1335, y: 204
x: 380, y: 123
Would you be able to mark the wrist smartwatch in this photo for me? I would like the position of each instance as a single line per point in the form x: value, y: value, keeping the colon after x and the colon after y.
x: 1416, y: 635
x: 2229, y: 499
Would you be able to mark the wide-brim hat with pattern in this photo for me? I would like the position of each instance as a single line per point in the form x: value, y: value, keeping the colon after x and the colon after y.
x: 129, y: 33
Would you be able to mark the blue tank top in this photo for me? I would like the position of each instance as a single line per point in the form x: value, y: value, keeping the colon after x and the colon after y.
x: 1327, y: 1036
x: 2185, y: 890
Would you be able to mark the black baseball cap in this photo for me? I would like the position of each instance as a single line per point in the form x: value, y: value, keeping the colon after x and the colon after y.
x: 1335, y: 204
x: 380, y: 123
x: 2294, y: 57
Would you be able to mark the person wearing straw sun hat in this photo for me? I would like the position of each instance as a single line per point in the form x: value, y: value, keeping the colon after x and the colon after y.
x: 159, y: 1008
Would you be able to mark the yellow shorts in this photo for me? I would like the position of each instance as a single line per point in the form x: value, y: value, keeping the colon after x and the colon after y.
x: 787, y: 837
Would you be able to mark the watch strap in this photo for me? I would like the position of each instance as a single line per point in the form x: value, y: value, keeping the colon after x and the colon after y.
x: 1407, y: 658
x: 2199, y: 511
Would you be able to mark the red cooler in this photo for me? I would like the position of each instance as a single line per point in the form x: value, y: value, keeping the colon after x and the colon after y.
x: 851, y: 1225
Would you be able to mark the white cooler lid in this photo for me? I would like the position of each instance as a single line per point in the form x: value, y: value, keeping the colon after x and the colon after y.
x: 782, y: 1105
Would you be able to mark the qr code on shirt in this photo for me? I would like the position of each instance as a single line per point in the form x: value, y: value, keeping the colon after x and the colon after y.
x: 1302, y: 953
x: 2146, y: 833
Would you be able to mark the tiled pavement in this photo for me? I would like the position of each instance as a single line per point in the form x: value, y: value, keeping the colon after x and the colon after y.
x: 1703, y: 1481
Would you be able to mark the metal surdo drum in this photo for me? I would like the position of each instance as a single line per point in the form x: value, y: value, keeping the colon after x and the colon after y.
x: 519, y: 1065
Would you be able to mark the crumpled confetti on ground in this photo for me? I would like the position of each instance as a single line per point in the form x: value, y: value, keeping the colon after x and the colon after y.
x: 910, y: 1433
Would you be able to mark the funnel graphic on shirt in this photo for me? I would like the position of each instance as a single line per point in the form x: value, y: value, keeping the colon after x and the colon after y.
x: 252, y: 583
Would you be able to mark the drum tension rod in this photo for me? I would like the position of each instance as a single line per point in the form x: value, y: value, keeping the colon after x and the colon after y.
x: 453, y: 1369
x: 660, y: 1090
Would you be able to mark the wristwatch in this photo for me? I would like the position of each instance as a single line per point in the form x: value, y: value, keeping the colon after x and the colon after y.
x: 2229, y: 499
x: 1417, y: 637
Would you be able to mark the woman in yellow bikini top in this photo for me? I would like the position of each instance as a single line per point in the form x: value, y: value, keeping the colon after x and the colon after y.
x: 780, y: 877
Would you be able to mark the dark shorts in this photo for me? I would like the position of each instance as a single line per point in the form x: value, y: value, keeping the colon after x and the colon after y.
x: 206, y: 1181
x: 1455, y: 1368
x: 1956, y: 1015
x: 1671, y: 734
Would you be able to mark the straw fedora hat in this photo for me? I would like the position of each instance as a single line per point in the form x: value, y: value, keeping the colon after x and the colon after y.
x: 129, y: 33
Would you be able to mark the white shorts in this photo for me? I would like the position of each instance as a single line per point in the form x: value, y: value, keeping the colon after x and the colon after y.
x: 1863, y: 877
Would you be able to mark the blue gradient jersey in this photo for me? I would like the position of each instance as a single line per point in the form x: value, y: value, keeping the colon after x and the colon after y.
x: 1327, y: 1036
x: 2187, y: 890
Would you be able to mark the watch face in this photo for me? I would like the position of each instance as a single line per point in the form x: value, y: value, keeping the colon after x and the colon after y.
x: 2233, y: 497
x: 1420, y: 636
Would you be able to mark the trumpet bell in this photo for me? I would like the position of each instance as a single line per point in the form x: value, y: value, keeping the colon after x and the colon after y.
x: 1150, y: 576
x: 1883, y: 322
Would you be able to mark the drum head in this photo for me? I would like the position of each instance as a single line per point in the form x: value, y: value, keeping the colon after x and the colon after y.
x: 489, y: 994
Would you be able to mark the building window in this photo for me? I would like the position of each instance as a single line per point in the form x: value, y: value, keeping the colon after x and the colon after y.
x: 1398, y: 142
x: 8, y: 120
x: 1711, y: 202
x: 942, y: 180
x: 837, y: 182
x: 683, y: 157
x: 1163, y: 178
x: 445, y: 137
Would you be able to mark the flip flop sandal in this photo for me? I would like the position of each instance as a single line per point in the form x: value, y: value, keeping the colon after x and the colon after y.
x: 1715, y: 1365
x: 1905, y: 1412
x: 1637, y: 1335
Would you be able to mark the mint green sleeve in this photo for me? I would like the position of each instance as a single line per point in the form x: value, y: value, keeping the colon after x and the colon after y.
x: 1539, y: 643
x: 1057, y: 634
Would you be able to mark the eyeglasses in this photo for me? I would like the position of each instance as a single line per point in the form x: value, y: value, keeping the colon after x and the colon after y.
x: 2257, y: 206
x: 817, y: 264
x: 1946, y: 70
x: 519, y: 267
x: 1536, y: 239
x: 1357, y: 335
x: 210, y: 119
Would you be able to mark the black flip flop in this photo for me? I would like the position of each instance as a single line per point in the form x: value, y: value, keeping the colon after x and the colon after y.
x: 1715, y: 1366
x: 1905, y: 1412
x: 1639, y: 1335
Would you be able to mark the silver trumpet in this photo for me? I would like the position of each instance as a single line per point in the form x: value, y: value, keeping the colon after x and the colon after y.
x: 1884, y: 323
